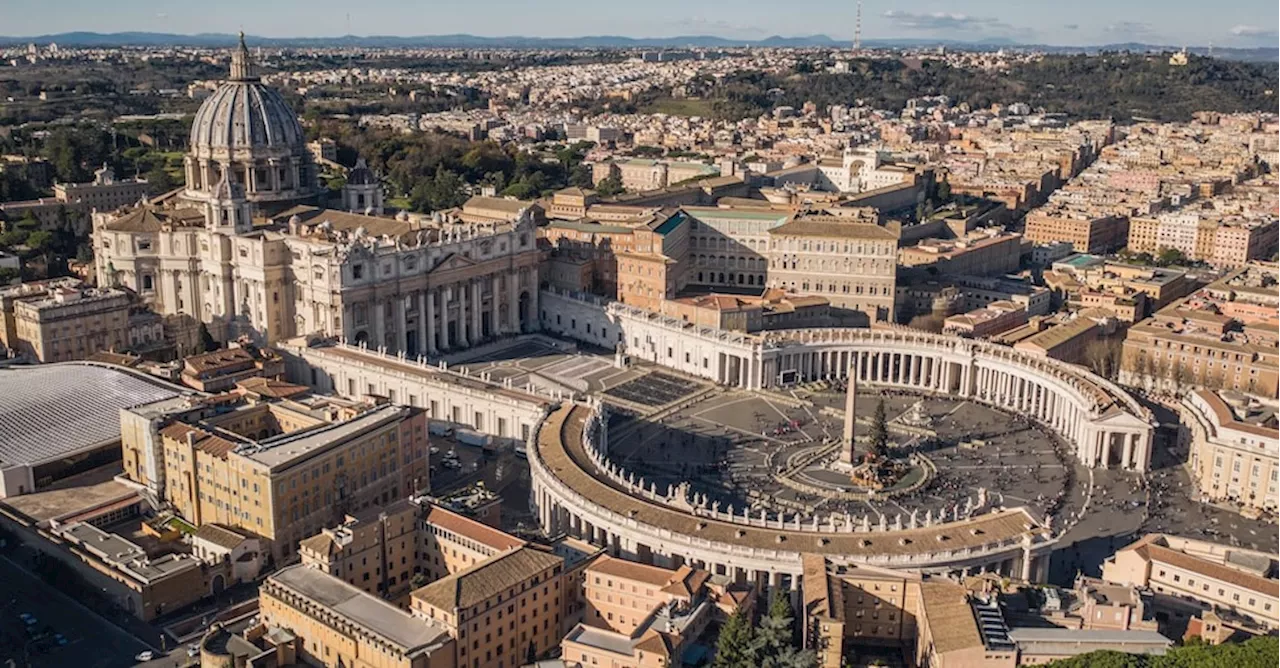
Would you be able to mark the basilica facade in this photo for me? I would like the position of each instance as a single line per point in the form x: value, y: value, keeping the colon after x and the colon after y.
x: 245, y: 248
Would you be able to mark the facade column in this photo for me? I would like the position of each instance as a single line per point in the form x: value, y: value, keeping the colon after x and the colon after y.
x: 1126, y: 462
x: 401, y: 326
x: 477, y: 334
x: 379, y: 323
x: 513, y: 301
x: 460, y: 325
x: 495, y: 307
x: 432, y: 340
x: 422, y: 323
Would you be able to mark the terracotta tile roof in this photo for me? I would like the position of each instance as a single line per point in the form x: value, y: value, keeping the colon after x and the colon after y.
x: 477, y: 531
x: 217, y: 359
x: 687, y: 582
x: 269, y: 387
x: 204, y: 441
x: 655, y: 642
x: 321, y: 543
x: 219, y: 535
x: 1159, y: 553
x: 630, y: 570
x: 833, y: 227
x: 342, y: 220
x: 486, y: 579
x: 951, y: 621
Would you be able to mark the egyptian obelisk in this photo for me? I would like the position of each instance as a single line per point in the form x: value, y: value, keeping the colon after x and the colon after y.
x: 850, y: 403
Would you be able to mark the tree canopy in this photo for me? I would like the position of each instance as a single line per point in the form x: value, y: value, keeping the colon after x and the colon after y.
x: 1259, y: 652
x: 1120, y: 86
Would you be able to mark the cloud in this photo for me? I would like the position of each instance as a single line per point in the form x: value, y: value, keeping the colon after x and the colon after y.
x: 1071, y: 26
x: 945, y: 22
x: 1254, y: 32
x: 1130, y: 29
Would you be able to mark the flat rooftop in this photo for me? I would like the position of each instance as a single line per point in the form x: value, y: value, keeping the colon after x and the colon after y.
x: 600, y: 639
x: 286, y: 449
x: 51, y: 411
x: 366, y: 611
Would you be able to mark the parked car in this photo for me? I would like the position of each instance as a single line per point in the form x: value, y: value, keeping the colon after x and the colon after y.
x: 145, y: 656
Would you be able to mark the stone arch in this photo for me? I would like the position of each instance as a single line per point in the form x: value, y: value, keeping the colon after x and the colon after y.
x: 218, y: 584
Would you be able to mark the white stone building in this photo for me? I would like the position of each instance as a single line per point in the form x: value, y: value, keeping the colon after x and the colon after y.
x: 243, y: 249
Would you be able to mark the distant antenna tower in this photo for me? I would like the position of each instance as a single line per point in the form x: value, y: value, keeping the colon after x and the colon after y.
x: 857, y: 29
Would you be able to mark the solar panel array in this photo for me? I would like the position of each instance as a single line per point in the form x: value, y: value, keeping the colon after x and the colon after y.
x: 995, y: 633
x: 54, y: 410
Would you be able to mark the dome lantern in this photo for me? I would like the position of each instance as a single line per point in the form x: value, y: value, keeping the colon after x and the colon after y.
x: 242, y: 63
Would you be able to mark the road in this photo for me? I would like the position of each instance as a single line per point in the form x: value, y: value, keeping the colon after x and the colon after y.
x: 92, y: 642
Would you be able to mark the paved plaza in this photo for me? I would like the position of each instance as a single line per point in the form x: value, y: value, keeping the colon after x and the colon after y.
x: 730, y: 445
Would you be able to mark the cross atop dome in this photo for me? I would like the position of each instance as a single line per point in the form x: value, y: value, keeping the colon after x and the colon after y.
x: 241, y: 63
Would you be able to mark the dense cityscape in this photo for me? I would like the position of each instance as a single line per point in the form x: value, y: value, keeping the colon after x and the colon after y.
x: 813, y: 356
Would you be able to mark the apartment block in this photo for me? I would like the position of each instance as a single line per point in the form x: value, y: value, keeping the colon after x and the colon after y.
x: 987, y: 252
x: 1222, y: 336
x: 1087, y: 232
x: 642, y: 615
x: 282, y: 470
x: 1228, y: 580
x: 336, y: 624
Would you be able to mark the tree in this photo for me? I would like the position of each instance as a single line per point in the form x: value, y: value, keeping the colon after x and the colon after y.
x: 206, y: 339
x: 733, y: 647
x: 774, y: 643
x: 1170, y: 256
x: 944, y: 191
x: 1103, y: 357
x: 610, y: 185
x: 928, y: 322
x: 1180, y: 376
x: 8, y: 274
x: 40, y: 241
x: 879, y: 430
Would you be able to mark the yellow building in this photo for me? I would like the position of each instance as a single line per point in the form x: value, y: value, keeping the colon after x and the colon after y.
x: 1230, y: 580
x: 642, y: 615
x: 336, y: 624
x: 503, y: 611
x: 282, y: 470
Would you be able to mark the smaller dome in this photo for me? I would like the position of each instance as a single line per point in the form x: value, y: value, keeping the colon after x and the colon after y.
x: 361, y: 175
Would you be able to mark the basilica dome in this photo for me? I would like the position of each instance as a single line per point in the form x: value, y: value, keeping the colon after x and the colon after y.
x: 246, y: 115
x: 247, y: 127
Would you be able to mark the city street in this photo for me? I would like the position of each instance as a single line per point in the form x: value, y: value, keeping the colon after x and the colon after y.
x: 91, y: 641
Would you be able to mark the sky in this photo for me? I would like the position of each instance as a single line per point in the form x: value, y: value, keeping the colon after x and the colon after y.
x: 1239, y: 23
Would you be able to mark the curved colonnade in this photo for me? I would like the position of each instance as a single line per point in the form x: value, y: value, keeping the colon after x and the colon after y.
x: 571, y: 495
x: 1106, y: 426
x: 577, y: 491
